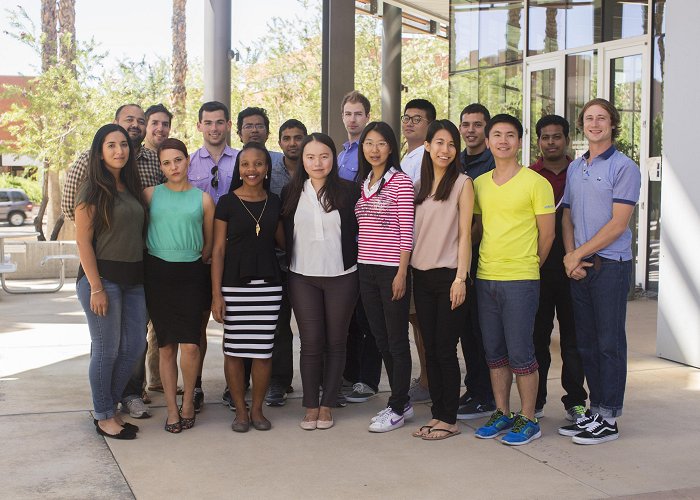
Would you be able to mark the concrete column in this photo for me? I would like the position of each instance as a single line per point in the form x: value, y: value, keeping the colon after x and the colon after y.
x: 678, y: 335
x: 391, y: 67
x: 217, y: 47
x: 338, y: 64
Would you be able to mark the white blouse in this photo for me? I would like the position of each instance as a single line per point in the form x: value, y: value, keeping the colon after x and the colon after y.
x: 317, y: 242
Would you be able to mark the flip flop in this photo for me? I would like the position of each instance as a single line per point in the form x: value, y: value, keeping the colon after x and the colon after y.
x: 446, y: 434
x: 419, y: 433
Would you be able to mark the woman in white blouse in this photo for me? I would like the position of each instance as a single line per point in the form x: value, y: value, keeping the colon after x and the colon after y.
x: 320, y: 231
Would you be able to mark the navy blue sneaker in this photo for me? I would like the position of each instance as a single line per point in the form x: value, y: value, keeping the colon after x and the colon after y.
x: 497, y: 424
x: 524, y: 430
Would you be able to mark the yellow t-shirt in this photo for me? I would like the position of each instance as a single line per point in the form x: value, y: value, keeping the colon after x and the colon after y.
x: 508, y: 248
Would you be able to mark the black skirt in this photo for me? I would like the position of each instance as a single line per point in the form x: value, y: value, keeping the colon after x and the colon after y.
x: 176, y: 297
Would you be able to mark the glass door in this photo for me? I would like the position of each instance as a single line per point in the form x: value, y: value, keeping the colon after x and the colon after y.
x: 544, y: 95
x: 626, y: 86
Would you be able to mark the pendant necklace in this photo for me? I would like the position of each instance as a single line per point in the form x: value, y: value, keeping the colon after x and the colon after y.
x: 257, y: 221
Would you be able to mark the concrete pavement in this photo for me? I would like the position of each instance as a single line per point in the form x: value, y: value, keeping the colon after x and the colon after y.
x: 50, y: 448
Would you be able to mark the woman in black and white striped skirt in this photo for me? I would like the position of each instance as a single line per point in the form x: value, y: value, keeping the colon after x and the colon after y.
x: 246, y: 280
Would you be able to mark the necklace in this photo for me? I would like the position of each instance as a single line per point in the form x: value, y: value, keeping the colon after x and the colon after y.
x: 257, y: 221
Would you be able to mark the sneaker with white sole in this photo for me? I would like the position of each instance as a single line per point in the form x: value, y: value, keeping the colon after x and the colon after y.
x: 539, y: 413
x: 388, y: 421
x: 276, y: 395
x: 524, y: 430
x: 361, y: 392
x: 136, y: 408
x: 473, y: 409
x: 198, y: 398
x: 580, y: 425
x: 600, y: 432
x: 499, y: 423
x: 408, y: 412
x: 419, y: 394
x: 575, y: 413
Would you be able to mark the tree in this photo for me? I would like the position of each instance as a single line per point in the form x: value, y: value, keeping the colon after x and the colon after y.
x: 179, y: 62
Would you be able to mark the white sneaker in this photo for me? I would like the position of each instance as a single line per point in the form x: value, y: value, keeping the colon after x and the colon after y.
x: 387, y: 422
x: 407, y: 413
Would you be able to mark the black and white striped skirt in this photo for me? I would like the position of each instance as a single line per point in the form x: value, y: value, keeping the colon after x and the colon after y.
x: 251, y: 318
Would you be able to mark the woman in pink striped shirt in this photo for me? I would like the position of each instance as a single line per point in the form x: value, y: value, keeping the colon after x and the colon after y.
x: 385, y: 217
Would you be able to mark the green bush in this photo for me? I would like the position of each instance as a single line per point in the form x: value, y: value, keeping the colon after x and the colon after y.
x: 30, y: 186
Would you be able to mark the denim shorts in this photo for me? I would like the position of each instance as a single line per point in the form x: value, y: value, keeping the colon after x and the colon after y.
x: 507, y: 317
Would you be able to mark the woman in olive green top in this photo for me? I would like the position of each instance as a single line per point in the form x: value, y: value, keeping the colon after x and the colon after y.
x: 110, y: 218
x: 181, y: 219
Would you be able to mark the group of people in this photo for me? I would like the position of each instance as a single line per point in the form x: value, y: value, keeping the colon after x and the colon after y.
x: 465, y: 245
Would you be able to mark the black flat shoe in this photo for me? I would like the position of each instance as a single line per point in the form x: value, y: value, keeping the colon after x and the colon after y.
x: 123, y: 434
x: 129, y: 427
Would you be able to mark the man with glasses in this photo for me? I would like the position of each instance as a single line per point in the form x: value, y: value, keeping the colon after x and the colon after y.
x: 417, y: 115
x: 253, y: 125
x: 211, y: 170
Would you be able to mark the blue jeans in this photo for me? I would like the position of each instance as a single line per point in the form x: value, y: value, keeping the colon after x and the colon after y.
x: 118, y: 340
x: 507, y: 317
x: 600, y: 309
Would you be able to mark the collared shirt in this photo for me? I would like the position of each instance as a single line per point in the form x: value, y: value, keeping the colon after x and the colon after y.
x: 480, y: 165
x: 280, y: 174
x: 347, y: 160
x: 146, y: 162
x: 592, y: 189
x: 558, y: 181
x: 318, y: 247
x: 200, y: 171
x: 411, y: 163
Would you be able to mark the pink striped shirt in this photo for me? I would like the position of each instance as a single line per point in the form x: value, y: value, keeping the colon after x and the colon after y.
x: 386, y: 220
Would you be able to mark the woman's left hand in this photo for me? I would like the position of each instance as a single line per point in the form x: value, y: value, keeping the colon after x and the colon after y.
x: 398, y: 286
x: 458, y: 293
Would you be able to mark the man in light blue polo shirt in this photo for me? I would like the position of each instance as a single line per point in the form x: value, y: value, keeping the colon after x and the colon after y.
x: 355, y: 111
x: 602, y: 188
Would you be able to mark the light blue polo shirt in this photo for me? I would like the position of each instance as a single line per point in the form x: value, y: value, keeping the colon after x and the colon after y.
x: 591, y: 189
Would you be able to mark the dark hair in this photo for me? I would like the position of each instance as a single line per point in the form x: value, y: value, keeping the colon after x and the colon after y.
x: 363, y: 166
x: 504, y: 118
x: 475, y: 107
x: 172, y: 143
x: 252, y: 111
x: 355, y: 96
x: 99, y: 185
x: 331, y: 195
x: 427, y: 173
x: 237, y: 182
x: 120, y: 108
x: 548, y: 120
x: 423, y: 104
x: 158, y: 108
x: 292, y: 123
x: 214, y: 106
x: 607, y: 106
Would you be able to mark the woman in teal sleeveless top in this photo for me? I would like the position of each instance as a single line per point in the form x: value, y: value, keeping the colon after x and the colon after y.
x: 179, y: 243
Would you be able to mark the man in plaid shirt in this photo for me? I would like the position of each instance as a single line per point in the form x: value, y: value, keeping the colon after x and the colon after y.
x: 133, y: 119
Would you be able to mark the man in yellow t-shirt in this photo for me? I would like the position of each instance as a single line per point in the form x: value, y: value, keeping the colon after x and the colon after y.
x: 515, y: 207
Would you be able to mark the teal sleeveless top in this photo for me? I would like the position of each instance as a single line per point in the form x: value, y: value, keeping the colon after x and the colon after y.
x: 175, y: 228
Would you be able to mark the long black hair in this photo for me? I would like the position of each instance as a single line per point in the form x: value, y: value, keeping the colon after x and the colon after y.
x: 363, y: 166
x: 331, y: 195
x: 100, y: 186
x: 237, y: 182
x: 427, y: 173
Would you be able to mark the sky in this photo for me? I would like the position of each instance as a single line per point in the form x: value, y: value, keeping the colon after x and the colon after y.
x: 137, y: 29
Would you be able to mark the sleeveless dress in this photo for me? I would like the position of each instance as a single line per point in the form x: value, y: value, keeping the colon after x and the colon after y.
x: 176, y: 285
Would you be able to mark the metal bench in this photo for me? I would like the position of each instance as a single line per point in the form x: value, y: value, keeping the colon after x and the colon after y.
x: 48, y: 258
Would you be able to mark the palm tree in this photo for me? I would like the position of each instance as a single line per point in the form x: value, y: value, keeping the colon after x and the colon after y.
x: 179, y: 91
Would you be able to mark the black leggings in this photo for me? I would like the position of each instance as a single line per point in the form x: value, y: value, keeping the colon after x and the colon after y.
x: 323, y: 307
x: 440, y: 327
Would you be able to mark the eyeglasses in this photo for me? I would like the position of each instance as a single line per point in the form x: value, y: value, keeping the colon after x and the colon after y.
x: 256, y: 126
x: 415, y: 119
x: 215, y: 176
x: 380, y: 144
